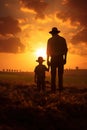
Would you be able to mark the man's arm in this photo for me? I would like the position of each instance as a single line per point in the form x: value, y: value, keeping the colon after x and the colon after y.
x: 48, y: 54
x: 65, y: 50
x: 47, y: 59
x: 46, y: 68
x: 65, y: 57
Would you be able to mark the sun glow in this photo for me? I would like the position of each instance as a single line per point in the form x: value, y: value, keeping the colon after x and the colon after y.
x: 41, y: 52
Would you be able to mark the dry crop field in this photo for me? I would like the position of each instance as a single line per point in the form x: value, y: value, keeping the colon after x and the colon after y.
x: 22, y: 107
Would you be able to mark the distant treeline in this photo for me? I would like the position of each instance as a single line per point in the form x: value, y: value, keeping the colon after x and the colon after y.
x: 10, y: 70
x: 16, y: 70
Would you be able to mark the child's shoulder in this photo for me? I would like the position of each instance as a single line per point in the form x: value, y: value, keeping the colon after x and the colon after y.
x: 44, y: 65
x: 37, y: 66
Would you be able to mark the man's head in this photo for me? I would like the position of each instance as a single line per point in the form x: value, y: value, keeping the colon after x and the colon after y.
x: 40, y: 59
x: 54, y: 31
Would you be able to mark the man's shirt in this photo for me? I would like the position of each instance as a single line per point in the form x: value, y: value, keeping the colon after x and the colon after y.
x: 56, y: 46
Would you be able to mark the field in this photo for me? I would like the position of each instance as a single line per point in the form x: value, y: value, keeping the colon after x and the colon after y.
x: 22, y: 107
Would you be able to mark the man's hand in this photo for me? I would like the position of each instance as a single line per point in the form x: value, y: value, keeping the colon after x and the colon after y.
x: 48, y: 63
x: 64, y: 61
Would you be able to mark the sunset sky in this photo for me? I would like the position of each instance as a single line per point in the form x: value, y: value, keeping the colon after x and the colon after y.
x: 25, y: 26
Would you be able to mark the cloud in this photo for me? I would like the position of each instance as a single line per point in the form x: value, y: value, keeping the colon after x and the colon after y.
x: 38, y: 6
x: 79, y: 49
x: 11, y: 45
x: 76, y: 11
x: 80, y: 37
x: 9, y: 25
x: 9, y: 8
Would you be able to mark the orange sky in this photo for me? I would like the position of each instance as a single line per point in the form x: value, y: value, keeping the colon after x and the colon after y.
x: 24, y: 27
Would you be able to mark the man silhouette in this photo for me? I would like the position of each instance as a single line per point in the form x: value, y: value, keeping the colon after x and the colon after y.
x: 57, y: 51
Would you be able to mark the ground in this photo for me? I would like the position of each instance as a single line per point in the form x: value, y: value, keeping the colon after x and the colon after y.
x: 22, y: 107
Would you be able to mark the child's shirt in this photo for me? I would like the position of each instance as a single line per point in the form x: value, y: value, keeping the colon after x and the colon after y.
x: 40, y: 71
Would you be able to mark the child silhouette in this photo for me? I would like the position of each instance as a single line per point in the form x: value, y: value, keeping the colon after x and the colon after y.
x: 39, y: 76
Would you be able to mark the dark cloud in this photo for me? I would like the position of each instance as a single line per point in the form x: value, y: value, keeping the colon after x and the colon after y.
x: 38, y: 6
x: 76, y: 11
x: 9, y: 8
x: 4, y: 11
x: 80, y: 37
x: 9, y: 25
x: 11, y: 45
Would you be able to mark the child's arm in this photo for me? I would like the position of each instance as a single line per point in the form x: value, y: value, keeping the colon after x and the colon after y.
x: 47, y: 68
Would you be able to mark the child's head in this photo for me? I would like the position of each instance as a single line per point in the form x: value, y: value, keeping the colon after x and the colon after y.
x: 40, y: 60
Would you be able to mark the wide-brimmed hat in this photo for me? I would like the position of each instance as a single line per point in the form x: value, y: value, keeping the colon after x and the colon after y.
x: 40, y: 59
x: 54, y: 30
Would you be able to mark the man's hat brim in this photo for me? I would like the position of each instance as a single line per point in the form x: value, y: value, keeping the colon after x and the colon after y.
x: 52, y: 32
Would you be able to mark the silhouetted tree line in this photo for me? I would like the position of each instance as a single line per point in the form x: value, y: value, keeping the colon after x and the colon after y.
x: 11, y: 70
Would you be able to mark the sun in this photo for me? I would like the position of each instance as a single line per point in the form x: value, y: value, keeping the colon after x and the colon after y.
x: 41, y: 52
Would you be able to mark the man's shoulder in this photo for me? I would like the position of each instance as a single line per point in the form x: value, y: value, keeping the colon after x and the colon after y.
x: 49, y: 38
x: 61, y: 37
x: 56, y: 38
